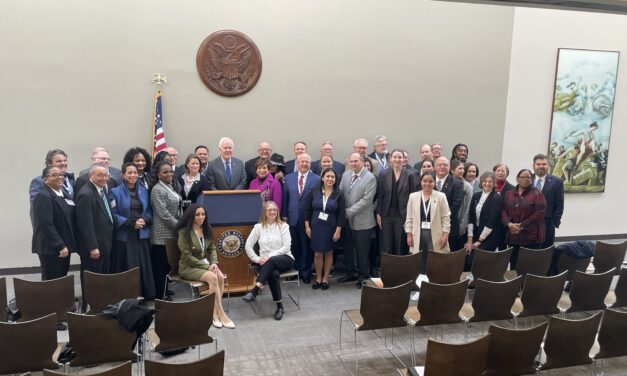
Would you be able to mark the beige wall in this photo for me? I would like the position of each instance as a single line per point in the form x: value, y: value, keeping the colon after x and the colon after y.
x: 76, y: 74
x: 537, y: 36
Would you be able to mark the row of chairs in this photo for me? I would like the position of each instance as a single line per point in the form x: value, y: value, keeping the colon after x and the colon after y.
x: 503, y: 351
x: 439, y: 304
x: 95, y: 340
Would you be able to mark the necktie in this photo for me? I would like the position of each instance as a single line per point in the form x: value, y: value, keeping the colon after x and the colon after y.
x: 355, y: 177
x: 539, y: 183
x: 300, y: 185
x: 68, y: 186
x: 438, y: 185
x: 106, y: 203
x: 229, y: 176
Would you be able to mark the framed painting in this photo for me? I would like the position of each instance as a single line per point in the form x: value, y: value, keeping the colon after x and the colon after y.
x: 581, y: 121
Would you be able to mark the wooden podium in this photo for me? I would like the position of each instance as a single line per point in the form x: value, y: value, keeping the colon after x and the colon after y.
x: 232, y: 215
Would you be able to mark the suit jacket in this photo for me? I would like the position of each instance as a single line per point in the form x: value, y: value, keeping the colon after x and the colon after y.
x: 439, y: 214
x: 166, y: 211
x: 553, y: 190
x: 359, y: 199
x: 373, y: 155
x: 84, y: 179
x: 54, y: 223
x: 114, y: 172
x: 293, y: 205
x: 122, y: 211
x: 290, y: 166
x: 37, y: 183
x: 216, y: 174
x: 406, y: 185
x: 453, y: 188
x: 337, y: 167
x: 192, y: 253
x: 490, y: 216
x: 95, y: 227
x: 196, y: 189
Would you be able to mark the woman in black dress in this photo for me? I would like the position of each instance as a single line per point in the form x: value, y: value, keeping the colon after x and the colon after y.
x: 134, y: 218
x: 324, y: 218
x: 192, y: 182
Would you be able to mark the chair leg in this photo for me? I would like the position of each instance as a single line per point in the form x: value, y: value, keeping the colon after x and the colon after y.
x: 412, y: 328
x: 228, y: 294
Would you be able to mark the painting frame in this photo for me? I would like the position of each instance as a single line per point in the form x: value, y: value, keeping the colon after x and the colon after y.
x: 584, y: 95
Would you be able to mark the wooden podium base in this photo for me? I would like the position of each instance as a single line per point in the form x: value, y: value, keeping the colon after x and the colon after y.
x: 232, y: 257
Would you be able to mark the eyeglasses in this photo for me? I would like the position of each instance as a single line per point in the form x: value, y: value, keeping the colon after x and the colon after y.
x: 56, y: 175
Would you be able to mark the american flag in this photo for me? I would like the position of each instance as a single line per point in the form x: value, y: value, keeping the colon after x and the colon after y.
x: 158, y: 135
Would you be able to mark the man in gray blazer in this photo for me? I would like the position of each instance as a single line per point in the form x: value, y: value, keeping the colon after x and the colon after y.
x: 358, y: 187
x: 101, y: 155
x: 226, y: 172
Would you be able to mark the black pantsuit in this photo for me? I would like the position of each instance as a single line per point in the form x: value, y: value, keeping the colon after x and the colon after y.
x: 270, y: 272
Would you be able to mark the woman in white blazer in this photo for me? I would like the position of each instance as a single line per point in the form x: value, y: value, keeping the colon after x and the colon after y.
x: 428, y: 221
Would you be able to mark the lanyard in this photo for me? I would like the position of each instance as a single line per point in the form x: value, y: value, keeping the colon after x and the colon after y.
x: 324, y: 202
x: 201, y: 239
x: 178, y: 197
x: 425, y: 207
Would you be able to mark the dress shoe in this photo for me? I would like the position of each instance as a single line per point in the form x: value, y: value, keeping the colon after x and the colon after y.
x: 347, y: 278
x: 278, y: 314
x: 324, y: 285
x: 359, y: 284
x: 61, y: 326
x: 229, y: 324
x: 217, y: 323
x: 316, y: 285
x: 249, y: 297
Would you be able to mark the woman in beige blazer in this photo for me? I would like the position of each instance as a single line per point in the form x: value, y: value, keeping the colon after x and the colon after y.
x: 428, y: 221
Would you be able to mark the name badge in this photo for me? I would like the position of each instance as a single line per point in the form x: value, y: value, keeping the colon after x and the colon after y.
x: 112, y: 204
x: 69, y: 202
x: 323, y: 216
x: 425, y: 225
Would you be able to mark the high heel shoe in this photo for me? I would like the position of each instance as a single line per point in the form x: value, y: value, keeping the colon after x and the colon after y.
x: 217, y: 323
x: 228, y: 324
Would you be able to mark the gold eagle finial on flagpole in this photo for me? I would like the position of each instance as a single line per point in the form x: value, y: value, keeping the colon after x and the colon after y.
x: 159, y: 79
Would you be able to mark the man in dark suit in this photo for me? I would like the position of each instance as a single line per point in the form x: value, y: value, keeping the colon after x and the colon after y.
x: 101, y: 155
x: 226, y: 172
x: 453, y: 188
x: 57, y: 158
x: 174, y: 157
x: 327, y: 150
x: 265, y: 152
x: 553, y: 190
x: 94, y: 222
x: 202, y: 152
x: 380, y: 152
x: 300, y: 147
x: 296, y: 187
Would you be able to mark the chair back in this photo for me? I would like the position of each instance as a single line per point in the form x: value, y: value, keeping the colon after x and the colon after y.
x: 3, y: 299
x: 211, y: 366
x: 396, y: 270
x: 466, y: 359
x: 621, y: 289
x: 29, y: 345
x: 608, y: 256
x: 534, y: 261
x: 183, y: 324
x: 385, y: 307
x: 540, y: 295
x: 571, y: 264
x: 174, y: 255
x: 100, y: 290
x: 97, y: 340
x: 588, y: 291
x: 39, y: 298
x: 612, y: 335
x: 440, y: 304
x: 490, y: 266
x: 568, y: 342
x: 445, y: 267
x: 124, y: 369
x: 494, y: 300
x: 513, y: 351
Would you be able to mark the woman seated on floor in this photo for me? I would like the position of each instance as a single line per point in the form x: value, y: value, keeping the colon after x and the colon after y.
x: 199, y: 259
x: 273, y: 236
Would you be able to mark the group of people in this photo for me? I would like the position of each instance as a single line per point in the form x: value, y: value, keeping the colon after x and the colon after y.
x: 121, y: 219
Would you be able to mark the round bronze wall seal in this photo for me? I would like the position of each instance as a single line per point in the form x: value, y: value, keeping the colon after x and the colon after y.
x: 231, y: 243
x: 229, y: 63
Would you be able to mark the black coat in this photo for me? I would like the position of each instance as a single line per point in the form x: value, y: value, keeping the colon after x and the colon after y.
x: 53, y: 223
x: 196, y: 190
x: 95, y: 228
x: 490, y: 216
x: 453, y: 188
x: 406, y: 185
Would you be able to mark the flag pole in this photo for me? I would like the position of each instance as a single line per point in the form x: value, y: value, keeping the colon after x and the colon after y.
x: 157, y: 126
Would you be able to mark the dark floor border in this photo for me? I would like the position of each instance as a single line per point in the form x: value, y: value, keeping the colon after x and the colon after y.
x: 77, y: 267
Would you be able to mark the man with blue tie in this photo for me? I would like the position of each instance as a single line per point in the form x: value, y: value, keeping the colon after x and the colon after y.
x: 553, y: 190
x: 226, y: 172
x: 297, y: 185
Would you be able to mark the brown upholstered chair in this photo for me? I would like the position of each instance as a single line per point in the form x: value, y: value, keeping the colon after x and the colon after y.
x: 608, y: 256
x: 380, y: 308
x: 124, y: 369
x: 183, y: 324
x: 3, y: 299
x: 532, y: 261
x: 438, y: 304
x: 174, y: 255
x: 618, y: 297
x: 587, y: 292
x: 445, y: 267
x: 489, y: 266
x: 29, y: 345
x: 513, y: 351
x: 397, y: 270
x: 568, y: 342
x: 100, y: 290
x: 40, y: 298
x: 211, y: 366
x: 97, y: 340
x: 572, y: 265
x: 492, y: 300
x: 612, y: 335
x: 448, y: 359
x: 540, y: 295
